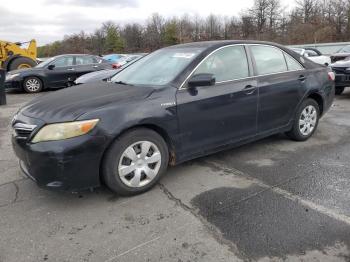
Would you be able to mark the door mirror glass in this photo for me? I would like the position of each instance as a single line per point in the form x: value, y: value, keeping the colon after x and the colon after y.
x: 201, y: 80
x: 51, y: 67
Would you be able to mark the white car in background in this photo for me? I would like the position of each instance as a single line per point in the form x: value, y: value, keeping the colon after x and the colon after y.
x: 314, y: 55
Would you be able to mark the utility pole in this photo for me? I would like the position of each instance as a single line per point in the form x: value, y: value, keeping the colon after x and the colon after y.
x: 2, y: 87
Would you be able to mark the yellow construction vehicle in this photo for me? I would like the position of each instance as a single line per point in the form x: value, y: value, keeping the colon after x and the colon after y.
x: 13, y: 56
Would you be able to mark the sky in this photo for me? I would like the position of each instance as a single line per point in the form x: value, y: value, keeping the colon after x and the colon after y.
x: 49, y: 20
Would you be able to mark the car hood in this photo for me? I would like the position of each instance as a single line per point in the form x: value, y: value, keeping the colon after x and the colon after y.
x: 341, y: 54
x: 341, y: 63
x: 68, y: 104
x: 96, y: 76
x: 24, y: 70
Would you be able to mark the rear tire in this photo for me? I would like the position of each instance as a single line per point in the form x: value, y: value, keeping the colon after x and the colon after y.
x: 305, y: 121
x: 32, y: 85
x: 135, y: 162
x: 339, y: 90
x: 21, y: 63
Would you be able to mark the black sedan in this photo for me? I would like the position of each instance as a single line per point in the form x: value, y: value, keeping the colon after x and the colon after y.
x: 56, y: 72
x: 176, y: 104
x: 342, y: 75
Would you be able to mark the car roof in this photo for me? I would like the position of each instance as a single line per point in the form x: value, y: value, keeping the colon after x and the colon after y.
x: 219, y: 43
x: 75, y: 55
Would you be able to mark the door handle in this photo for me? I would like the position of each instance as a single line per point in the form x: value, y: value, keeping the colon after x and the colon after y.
x: 70, y: 69
x: 302, y: 78
x: 249, y: 89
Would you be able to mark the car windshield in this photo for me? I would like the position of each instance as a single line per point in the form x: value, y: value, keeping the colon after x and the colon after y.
x: 159, y: 68
x: 345, y: 49
x: 45, y: 63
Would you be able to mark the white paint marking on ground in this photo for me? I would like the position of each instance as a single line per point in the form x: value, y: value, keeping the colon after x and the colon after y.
x: 306, y: 203
x: 132, y: 249
x: 148, y: 242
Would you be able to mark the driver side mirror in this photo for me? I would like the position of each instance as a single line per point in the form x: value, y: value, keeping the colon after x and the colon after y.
x: 201, y: 80
x: 51, y: 67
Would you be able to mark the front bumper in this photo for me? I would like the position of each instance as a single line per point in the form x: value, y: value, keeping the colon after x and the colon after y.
x: 342, y: 80
x: 13, y: 84
x: 72, y: 164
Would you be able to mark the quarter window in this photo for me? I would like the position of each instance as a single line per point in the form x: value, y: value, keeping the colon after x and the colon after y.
x: 268, y: 60
x: 292, y: 63
x: 226, y: 64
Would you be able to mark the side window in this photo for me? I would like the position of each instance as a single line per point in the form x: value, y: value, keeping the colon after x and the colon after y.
x: 85, y: 60
x: 228, y: 63
x: 268, y: 59
x: 63, y: 61
x: 292, y: 63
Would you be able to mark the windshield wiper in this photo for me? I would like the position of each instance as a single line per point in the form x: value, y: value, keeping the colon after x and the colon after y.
x: 122, y: 83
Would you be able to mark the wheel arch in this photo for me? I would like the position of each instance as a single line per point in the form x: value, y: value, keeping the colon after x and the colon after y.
x: 319, y: 99
x: 41, y: 78
x: 159, y: 130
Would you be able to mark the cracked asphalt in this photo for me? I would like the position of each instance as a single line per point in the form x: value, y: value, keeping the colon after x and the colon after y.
x: 272, y: 200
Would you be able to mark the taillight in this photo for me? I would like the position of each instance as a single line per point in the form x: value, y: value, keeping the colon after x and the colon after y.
x: 116, y: 66
x: 331, y: 76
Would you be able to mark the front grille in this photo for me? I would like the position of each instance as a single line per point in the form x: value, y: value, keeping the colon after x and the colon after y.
x: 339, y: 70
x: 23, y: 131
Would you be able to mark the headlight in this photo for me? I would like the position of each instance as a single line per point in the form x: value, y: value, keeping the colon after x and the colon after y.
x: 64, y: 130
x: 10, y: 76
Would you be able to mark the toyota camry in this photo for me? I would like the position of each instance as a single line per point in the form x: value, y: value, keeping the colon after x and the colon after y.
x: 176, y: 104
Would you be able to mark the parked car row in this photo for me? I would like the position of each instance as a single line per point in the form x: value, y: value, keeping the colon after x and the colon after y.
x: 63, y: 71
x: 339, y: 62
x: 67, y: 70
x: 314, y: 55
x: 175, y: 104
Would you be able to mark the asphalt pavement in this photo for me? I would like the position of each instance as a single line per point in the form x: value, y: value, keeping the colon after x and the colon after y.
x: 271, y: 200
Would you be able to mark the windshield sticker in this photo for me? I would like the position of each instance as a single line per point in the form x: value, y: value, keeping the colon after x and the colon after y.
x: 183, y: 55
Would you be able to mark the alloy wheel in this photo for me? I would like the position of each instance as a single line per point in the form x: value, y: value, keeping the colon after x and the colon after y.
x: 308, y: 120
x: 33, y: 84
x: 139, y: 164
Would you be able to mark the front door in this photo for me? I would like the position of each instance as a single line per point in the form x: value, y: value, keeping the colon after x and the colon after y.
x: 64, y: 70
x: 212, y: 116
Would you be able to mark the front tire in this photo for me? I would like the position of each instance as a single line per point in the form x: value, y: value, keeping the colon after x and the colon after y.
x: 32, y: 85
x: 135, y: 162
x: 306, y: 121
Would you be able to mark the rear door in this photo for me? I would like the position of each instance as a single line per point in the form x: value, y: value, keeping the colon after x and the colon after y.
x: 211, y: 116
x: 281, y: 82
x: 63, y: 71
